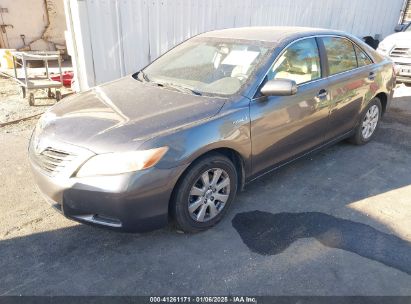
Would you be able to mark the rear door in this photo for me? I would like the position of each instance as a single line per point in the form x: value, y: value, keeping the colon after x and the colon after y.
x: 349, y: 83
x: 284, y: 126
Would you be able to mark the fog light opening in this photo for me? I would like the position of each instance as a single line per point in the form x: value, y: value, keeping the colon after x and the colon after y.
x: 107, y: 220
x: 100, y: 219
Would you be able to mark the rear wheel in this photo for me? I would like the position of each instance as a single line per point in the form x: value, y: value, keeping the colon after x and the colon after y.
x: 204, y: 194
x: 31, y: 99
x: 370, y: 120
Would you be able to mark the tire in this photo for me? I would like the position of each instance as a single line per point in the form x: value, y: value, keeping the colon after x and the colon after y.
x: 361, y: 136
x: 31, y: 99
x: 58, y: 95
x: 193, y: 199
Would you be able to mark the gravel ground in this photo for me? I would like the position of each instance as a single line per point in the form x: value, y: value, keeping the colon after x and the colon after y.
x: 13, y: 107
x: 334, y: 223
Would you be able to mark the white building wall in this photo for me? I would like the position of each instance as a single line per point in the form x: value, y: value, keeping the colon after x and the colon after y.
x: 24, y: 17
x: 118, y: 37
x: 57, y: 22
x: 42, y: 22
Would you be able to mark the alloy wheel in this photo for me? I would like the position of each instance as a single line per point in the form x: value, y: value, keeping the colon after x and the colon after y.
x: 209, y: 194
x: 370, y: 121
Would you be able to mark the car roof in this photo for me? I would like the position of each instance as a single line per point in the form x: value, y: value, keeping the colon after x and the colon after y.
x: 274, y: 34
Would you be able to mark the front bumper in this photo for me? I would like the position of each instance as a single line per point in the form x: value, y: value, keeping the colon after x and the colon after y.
x: 404, y: 78
x: 134, y: 202
x: 403, y: 69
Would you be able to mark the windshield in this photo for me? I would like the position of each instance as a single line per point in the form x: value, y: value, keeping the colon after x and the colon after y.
x: 408, y: 29
x: 208, y: 66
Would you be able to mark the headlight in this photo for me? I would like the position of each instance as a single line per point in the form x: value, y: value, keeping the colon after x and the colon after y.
x: 46, y: 119
x: 384, y: 48
x: 122, y: 162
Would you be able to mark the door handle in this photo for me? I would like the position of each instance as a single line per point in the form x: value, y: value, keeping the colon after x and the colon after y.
x: 322, y: 94
x: 371, y: 76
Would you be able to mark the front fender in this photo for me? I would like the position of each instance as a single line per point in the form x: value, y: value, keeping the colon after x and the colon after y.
x: 228, y: 129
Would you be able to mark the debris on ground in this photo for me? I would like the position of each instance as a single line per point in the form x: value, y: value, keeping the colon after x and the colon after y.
x: 15, y: 110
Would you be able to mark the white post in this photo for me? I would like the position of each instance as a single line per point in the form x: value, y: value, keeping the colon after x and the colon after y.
x: 79, y: 43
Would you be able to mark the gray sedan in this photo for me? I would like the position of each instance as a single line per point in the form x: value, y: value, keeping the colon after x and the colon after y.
x: 177, y: 140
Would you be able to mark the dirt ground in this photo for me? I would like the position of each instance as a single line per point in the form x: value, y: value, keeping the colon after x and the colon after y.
x: 334, y: 223
x: 13, y: 107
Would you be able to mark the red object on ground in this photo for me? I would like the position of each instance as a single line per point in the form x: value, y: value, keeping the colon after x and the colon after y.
x: 67, y: 77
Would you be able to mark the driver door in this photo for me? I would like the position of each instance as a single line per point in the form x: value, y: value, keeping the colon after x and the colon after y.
x: 283, y: 127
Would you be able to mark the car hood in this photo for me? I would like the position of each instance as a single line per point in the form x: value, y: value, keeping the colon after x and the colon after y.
x: 123, y: 114
x: 402, y: 39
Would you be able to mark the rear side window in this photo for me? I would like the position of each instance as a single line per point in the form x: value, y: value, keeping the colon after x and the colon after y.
x: 341, y: 54
x: 362, y: 57
x: 299, y: 62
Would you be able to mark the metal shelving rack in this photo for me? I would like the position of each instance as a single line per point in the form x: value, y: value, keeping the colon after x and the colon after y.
x: 28, y: 83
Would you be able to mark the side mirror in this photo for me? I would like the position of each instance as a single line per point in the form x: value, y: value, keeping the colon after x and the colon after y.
x: 279, y: 87
x: 399, y: 28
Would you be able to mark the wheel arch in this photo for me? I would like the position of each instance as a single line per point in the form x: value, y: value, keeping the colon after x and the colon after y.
x: 383, y: 97
x: 230, y: 153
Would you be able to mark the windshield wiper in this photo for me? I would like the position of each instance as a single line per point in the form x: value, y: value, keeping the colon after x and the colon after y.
x: 144, y: 75
x: 180, y: 88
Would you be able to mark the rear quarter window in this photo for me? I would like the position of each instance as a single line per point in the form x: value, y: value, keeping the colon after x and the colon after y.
x: 362, y: 57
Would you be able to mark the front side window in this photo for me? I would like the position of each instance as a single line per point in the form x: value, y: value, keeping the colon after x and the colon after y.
x: 362, y: 57
x: 209, y: 66
x: 341, y: 54
x: 300, y: 62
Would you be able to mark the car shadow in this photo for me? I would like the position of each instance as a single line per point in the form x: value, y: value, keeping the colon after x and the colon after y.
x: 269, y: 234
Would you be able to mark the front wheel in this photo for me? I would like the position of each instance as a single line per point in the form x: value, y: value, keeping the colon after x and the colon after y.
x: 58, y: 95
x: 369, y: 122
x: 204, y: 194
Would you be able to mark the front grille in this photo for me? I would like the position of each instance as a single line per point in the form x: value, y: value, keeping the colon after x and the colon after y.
x: 53, y: 161
x: 399, y: 64
x: 400, y: 52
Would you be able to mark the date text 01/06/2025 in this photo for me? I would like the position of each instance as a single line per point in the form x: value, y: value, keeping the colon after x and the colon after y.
x: 203, y: 299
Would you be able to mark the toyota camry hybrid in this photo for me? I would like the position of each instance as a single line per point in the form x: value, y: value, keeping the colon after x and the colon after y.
x: 175, y: 141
